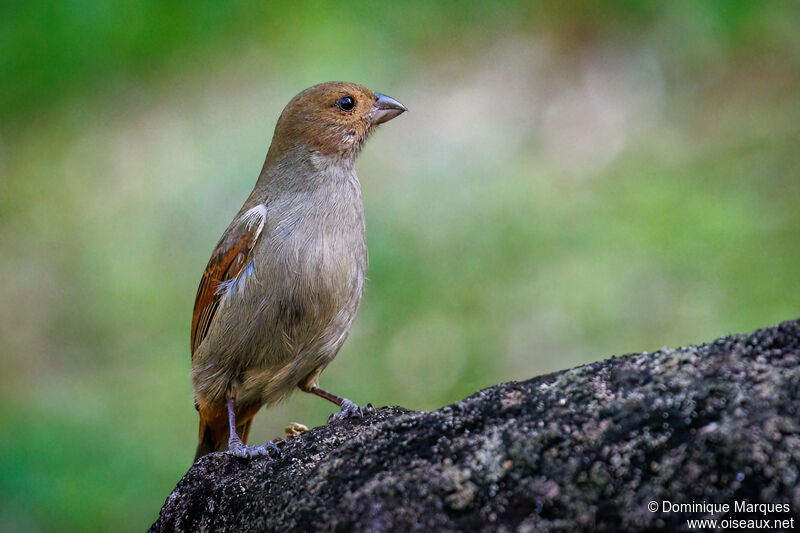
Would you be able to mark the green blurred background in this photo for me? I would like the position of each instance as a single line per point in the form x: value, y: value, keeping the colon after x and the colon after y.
x: 573, y: 180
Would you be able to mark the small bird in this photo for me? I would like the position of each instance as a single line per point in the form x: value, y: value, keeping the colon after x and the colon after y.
x: 285, y: 281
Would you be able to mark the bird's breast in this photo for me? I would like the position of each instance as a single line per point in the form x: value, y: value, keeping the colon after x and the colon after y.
x: 314, y: 259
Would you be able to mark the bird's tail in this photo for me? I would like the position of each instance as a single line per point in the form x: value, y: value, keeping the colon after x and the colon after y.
x: 216, y: 439
x: 210, y: 440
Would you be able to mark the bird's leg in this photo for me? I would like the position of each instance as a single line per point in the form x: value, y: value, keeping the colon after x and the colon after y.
x: 348, y: 408
x: 238, y: 448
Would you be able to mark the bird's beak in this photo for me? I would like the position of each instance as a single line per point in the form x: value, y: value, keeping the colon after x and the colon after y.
x: 385, y: 108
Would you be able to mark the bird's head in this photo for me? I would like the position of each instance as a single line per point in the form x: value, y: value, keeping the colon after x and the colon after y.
x: 332, y: 119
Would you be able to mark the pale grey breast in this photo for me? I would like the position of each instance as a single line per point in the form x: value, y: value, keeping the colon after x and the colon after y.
x: 312, y: 262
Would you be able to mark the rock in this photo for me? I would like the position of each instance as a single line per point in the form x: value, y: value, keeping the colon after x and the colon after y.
x: 585, y: 449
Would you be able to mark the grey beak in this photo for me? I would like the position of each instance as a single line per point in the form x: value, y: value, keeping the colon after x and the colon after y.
x: 385, y: 108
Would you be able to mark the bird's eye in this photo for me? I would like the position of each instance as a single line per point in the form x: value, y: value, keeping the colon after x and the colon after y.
x: 346, y: 103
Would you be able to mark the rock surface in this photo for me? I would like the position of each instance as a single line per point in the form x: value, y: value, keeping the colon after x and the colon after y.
x: 585, y: 449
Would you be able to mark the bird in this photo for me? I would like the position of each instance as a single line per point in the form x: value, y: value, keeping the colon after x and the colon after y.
x: 285, y: 281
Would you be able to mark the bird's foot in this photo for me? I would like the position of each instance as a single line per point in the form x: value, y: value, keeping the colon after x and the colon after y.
x: 239, y: 449
x: 351, y: 410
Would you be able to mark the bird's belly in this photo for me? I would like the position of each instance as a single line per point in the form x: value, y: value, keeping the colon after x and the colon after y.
x: 321, y: 281
x: 314, y: 295
x: 285, y: 322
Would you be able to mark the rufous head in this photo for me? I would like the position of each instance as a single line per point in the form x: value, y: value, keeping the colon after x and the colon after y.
x: 332, y: 118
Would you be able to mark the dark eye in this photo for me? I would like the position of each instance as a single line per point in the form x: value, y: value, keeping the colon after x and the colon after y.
x: 346, y: 103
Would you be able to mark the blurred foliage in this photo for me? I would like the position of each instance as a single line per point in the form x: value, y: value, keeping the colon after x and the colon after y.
x: 574, y: 179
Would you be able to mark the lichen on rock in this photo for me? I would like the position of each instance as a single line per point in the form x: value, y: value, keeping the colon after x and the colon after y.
x: 583, y: 449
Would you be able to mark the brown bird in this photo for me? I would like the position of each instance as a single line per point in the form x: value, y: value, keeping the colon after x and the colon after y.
x: 284, y: 283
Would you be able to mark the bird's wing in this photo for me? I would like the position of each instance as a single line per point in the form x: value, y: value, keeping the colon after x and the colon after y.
x: 231, y: 261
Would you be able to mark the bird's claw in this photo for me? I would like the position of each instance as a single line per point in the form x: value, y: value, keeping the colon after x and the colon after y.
x: 239, y: 449
x: 351, y: 410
